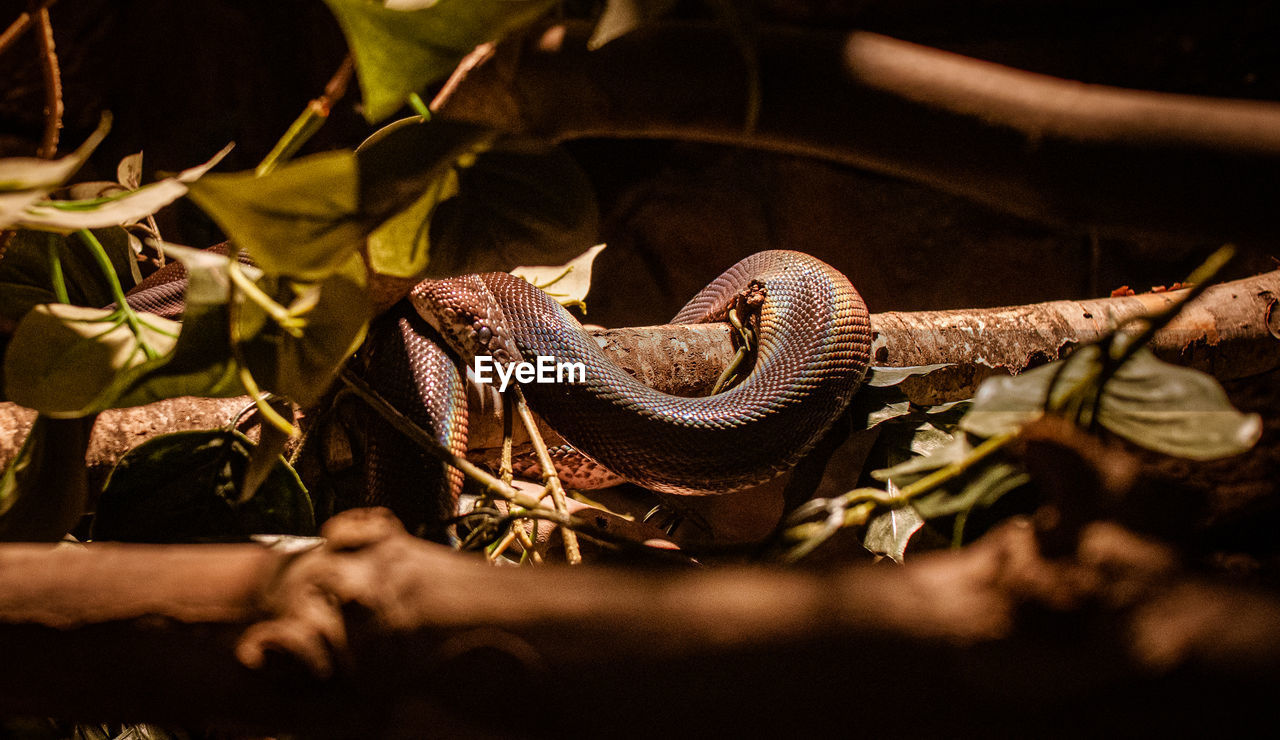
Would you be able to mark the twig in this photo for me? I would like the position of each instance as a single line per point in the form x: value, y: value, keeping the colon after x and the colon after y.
x: 406, y: 427
x: 20, y: 26
x: 52, y: 83
x: 310, y: 120
x: 549, y: 477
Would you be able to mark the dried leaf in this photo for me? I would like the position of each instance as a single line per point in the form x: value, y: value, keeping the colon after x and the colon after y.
x: 888, y: 533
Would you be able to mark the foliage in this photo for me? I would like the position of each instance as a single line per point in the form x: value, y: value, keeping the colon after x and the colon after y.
x: 402, y: 46
x: 422, y: 196
x: 966, y: 464
x: 419, y: 198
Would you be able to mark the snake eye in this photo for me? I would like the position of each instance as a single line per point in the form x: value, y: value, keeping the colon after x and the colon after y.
x: 449, y: 313
x: 483, y: 334
x: 501, y: 355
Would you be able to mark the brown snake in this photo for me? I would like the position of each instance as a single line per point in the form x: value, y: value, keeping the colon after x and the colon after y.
x: 813, y: 351
x: 814, y: 348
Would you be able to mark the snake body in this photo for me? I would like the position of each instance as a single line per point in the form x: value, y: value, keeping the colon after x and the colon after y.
x: 814, y: 349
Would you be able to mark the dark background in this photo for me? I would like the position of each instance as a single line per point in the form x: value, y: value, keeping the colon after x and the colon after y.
x: 182, y: 79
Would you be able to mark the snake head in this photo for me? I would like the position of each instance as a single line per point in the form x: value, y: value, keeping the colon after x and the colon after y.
x: 468, y: 316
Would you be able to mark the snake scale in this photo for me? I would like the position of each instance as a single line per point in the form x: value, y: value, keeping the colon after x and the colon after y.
x: 814, y: 339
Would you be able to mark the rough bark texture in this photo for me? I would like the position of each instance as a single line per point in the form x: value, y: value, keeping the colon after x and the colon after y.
x: 378, y: 634
x: 1231, y: 332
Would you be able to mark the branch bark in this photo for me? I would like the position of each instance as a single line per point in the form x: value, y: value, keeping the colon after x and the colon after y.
x: 1232, y: 331
x: 1125, y: 162
x: 376, y: 633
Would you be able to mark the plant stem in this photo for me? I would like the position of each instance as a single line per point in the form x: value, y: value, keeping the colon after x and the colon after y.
x: 55, y: 270
x: 419, y: 107
x: 104, y: 263
x: 549, y: 477
x: 943, y: 475
x: 310, y: 120
x: 415, y: 433
x: 52, y: 84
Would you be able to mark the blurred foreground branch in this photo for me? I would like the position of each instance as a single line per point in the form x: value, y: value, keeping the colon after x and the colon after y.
x: 376, y: 633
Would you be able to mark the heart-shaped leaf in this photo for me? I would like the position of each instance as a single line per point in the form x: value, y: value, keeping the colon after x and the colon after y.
x: 306, y: 218
x: 1167, y: 408
x: 402, y: 46
x: 70, y: 361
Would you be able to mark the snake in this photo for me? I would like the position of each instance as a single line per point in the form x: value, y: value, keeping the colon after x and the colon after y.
x: 812, y: 352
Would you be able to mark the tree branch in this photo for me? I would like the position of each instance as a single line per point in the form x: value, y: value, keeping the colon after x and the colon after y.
x: 52, y: 83
x: 20, y: 25
x: 376, y: 632
x: 1126, y: 162
x: 1232, y: 331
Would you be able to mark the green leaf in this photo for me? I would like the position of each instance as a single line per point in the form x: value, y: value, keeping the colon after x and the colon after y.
x: 519, y: 203
x: 44, y: 489
x: 70, y: 361
x: 302, y: 367
x: 405, y: 45
x: 494, y: 205
x: 299, y: 220
x: 202, y: 362
x: 1167, y: 408
x: 623, y: 16
x: 185, y: 487
x: 25, y: 180
x: 401, y: 246
x: 25, y: 280
x: 307, y: 217
x: 568, y: 283
x: 1176, y: 411
x: 113, y: 210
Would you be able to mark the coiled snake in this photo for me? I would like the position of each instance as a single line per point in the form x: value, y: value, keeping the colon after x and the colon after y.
x: 813, y: 351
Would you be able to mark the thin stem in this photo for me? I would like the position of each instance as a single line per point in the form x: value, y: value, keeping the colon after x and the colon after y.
x: 419, y: 107
x: 310, y: 120
x: 55, y: 269
x: 549, y: 477
x: 281, y: 315
x: 260, y: 401
x: 956, y: 469
x: 104, y: 263
x: 126, y: 313
x: 415, y: 433
x: 730, y: 371
x: 52, y: 84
